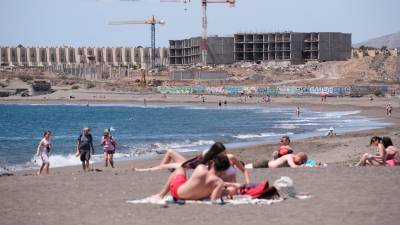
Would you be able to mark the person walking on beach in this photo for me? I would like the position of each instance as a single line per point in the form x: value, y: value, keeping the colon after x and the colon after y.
x: 389, y: 110
x: 43, y: 150
x: 220, y: 103
x: 85, y: 147
x: 298, y: 111
x: 108, y: 143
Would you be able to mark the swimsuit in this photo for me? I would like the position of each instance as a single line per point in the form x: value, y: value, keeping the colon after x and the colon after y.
x: 43, y: 152
x: 176, y: 182
x: 231, y: 171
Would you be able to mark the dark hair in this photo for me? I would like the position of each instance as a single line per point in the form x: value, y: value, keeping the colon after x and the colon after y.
x: 375, y: 138
x: 221, y: 163
x: 215, y: 149
x: 286, y: 137
x: 46, y: 132
x: 386, y: 141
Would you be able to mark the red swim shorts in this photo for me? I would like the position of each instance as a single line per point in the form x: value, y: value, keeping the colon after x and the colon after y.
x: 176, y: 182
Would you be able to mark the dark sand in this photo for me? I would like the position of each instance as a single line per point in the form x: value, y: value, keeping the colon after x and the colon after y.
x: 342, y: 194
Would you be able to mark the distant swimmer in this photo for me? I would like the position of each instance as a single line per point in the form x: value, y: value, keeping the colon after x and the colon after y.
x: 219, y: 103
x: 330, y: 132
x: 389, y: 110
x: 298, y: 111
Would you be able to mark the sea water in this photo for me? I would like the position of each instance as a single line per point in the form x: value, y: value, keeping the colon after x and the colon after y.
x: 146, y: 131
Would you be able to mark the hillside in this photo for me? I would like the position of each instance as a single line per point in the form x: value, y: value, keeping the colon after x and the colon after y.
x: 390, y: 41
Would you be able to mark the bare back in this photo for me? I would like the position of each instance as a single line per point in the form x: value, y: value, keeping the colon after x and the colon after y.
x: 200, y: 185
x: 284, y: 161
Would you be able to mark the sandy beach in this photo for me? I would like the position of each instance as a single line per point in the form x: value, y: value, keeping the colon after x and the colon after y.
x: 342, y: 194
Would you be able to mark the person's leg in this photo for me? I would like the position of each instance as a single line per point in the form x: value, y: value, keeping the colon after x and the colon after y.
x: 164, y: 191
x: 110, y: 158
x: 172, y: 155
x: 105, y: 159
x: 40, y: 169
x: 87, y: 164
x: 166, y: 162
x: 46, y: 167
x: 363, y: 160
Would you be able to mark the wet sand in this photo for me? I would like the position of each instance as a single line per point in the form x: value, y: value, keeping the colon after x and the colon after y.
x: 342, y: 194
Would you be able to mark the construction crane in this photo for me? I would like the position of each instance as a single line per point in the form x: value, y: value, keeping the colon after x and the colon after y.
x: 152, y: 21
x: 204, y: 43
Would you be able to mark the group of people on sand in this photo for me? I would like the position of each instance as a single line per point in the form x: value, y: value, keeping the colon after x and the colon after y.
x: 84, y: 149
x: 387, y: 154
x: 215, y: 173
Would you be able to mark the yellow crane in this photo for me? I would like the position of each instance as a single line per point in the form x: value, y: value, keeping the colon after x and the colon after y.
x: 151, y: 21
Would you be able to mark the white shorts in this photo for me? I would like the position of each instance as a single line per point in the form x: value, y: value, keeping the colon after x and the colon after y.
x: 44, y: 157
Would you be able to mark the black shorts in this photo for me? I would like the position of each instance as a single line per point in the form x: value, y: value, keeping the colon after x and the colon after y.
x: 261, y: 164
x: 85, y: 155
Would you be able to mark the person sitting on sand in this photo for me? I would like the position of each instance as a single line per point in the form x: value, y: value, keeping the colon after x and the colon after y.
x: 284, y: 149
x: 43, y: 150
x: 173, y: 160
x: 392, y: 157
x: 374, y: 159
x: 108, y: 143
x: 83, y: 147
x: 289, y: 160
x: 205, y: 182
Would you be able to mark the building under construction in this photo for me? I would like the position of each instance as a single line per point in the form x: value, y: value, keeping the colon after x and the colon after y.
x: 188, y: 51
x: 292, y: 46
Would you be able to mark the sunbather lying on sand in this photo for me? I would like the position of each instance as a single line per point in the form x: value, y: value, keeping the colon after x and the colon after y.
x: 173, y: 160
x: 205, y: 182
x: 289, y: 160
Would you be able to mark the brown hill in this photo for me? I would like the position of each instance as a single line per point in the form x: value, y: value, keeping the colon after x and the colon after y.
x: 390, y: 41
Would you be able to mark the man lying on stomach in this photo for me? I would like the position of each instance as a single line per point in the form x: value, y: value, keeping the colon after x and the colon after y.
x: 289, y: 160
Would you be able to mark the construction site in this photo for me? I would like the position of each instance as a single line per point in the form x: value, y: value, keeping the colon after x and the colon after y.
x: 253, y: 58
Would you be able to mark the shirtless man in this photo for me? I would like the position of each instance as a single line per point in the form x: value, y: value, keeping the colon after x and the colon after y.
x: 289, y: 160
x: 204, y: 183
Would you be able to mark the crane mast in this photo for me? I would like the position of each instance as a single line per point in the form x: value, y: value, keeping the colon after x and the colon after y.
x: 152, y: 21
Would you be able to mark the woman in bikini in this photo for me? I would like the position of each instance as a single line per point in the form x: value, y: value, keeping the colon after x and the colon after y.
x: 392, y: 157
x: 173, y: 160
x: 378, y: 158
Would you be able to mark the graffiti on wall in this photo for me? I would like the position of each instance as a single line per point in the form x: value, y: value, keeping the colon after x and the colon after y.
x: 273, y: 91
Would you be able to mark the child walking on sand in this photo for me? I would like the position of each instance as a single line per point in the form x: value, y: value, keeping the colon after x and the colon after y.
x: 43, y: 150
x: 108, y: 144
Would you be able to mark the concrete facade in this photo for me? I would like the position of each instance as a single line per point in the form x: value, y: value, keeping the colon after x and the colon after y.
x: 292, y: 46
x: 188, y: 51
x: 49, y: 56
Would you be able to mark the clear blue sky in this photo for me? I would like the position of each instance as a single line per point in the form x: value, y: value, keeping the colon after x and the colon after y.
x: 84, y: 22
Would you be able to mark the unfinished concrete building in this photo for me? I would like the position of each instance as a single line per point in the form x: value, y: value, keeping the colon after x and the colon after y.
x: 188, y: 51
x: 294, y: 47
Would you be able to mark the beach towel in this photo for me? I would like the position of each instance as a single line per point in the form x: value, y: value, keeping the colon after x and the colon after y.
x: 284, y: 186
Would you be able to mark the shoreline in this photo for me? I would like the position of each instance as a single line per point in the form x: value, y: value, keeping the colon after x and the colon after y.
x: 369, y: 112
x: 69, y: 196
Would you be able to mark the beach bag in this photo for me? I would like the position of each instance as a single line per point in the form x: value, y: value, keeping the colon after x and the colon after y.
x: 260, y: 191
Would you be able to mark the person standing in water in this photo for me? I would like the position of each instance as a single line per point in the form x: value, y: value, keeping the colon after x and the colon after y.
x: 85, y: 147
x: 298, y: 111
x: 43, y: 150
x: 108, y: 144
